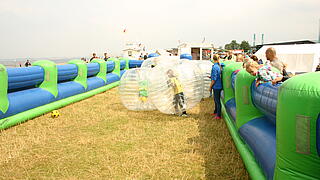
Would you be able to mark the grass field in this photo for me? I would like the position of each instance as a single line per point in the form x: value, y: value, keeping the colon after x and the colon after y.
x: 98, y: 138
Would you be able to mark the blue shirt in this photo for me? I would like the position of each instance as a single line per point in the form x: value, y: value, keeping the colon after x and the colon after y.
x: 216, y: 76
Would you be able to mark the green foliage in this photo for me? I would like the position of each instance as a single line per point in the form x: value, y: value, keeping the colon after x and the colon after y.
x: 245, y: 45
x: 234, y: 45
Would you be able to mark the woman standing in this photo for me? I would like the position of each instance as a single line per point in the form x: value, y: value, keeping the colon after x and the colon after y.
x: 216, y: 85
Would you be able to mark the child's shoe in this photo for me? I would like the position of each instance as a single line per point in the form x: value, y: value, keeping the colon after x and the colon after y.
x: 217, y: 117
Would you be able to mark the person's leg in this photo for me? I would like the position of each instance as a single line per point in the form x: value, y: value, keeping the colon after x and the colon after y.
x: 183, y: 103
x: 217, y: 101
x: 176, y: 103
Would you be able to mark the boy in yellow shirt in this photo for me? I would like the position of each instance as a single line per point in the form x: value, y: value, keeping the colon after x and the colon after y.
x: 178, y: 99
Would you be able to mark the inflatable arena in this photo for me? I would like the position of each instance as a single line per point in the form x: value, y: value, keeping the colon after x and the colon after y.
x: 32, y: 91
x: 276, y: 128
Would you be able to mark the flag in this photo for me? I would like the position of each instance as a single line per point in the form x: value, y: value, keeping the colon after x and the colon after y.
x: 204, y: 39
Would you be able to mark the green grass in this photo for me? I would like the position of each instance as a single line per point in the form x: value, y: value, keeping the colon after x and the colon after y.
x: 98, y: 138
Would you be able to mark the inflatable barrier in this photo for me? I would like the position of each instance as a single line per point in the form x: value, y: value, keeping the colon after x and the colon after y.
x: 28, y: 92
x: 276, y: 128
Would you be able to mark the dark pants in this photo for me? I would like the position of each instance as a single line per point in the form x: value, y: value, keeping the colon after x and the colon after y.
x: 217, y: 104
x: 179, y: 103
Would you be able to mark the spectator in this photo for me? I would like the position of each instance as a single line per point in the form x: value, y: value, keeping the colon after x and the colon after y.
x: 271, y: 56
x: 231, y: 56
x: 318, y: 67
x: 255, y: 58
x: 106, y: 57
x: 263, y: 73
x: 94, y: 56
x: 27, y: 64
x: 239, y: 58
x: 216, y: 85
x: 145, y: 56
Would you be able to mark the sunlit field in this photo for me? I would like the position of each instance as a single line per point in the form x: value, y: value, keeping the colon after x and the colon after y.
x: 98, y: 138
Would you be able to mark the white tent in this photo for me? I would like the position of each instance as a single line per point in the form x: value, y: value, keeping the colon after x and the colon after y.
x: 300, y: 57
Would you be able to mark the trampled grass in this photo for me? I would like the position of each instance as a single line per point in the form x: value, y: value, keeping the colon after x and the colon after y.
x: 98, y: 138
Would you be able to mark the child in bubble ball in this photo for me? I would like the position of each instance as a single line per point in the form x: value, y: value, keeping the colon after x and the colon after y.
x: 178, y: 99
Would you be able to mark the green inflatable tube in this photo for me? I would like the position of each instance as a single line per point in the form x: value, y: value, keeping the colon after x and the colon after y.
x: 226, y: 79
x: 298, y: 110
x: 246, y: 111
x: 26, y: 115
x: 82, y: 72
x: 116, y: 66
x: 50, y: 82
x: 103, y: 69
x: 4, y: 101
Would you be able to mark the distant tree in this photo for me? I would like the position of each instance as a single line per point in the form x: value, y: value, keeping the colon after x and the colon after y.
x: 232, y: 45
x: 245, y: 45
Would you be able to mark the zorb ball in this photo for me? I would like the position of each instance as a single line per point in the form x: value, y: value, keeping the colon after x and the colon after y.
x: 134, y: 89
x: 161, y: 60
x: 55, y: 114
x: 168, y: 82
x: 205, y: 66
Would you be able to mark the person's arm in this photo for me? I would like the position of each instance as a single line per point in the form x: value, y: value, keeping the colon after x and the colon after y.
x: 213, y: 77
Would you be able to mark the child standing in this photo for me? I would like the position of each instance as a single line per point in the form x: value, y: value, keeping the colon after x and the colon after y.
x: 178, y: 99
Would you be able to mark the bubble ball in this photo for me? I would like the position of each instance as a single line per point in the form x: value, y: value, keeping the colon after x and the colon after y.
x: 163, y: 60
x: 168, y: 81
x: 205, y: 66
x: 134, y: 89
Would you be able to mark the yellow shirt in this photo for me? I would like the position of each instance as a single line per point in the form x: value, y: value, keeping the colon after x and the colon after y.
x: 177, y: 87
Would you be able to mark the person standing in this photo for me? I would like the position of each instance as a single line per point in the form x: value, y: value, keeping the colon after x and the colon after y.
x: 216, y: 85
x: 106, y: 57
x: 271, y: 56
x: 94, y: 56
x: 145, y: 56
x: 27, y: 64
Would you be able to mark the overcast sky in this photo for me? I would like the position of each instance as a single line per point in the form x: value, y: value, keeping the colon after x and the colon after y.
x: 68, y: 28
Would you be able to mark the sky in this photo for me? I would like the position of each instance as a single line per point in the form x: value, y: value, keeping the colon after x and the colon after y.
x: 76, y: 28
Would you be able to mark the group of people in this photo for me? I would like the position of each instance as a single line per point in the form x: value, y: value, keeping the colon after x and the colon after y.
x: 273, y: 71
x: 94, y: 56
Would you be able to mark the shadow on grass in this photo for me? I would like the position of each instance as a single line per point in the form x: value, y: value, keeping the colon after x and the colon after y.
x: 222, y: 160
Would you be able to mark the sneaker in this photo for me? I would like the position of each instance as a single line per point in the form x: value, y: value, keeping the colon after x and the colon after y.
x: 213, y: 114
x: 184, y: 115
x: 217, y: 117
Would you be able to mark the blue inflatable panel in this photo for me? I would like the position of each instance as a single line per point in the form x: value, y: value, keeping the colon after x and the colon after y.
x: 233, y: 79
x: 112, y: 78
x: 318, y: 135
x: 265, y: 98
x: 24, y: 78
x: 186, y: 56
x: 110, y: 66
x: 27, y: 99
x: 67, y: 72
x: 94, y: 83
x: 153, y: 55
x: 222, y: 95
x: 68, y: 89
x: 122, y: 64
x: 122, y: 72
x: 93, y: 69
x: 260, y: 135
x: 231, y: 108
x: 135, y: 63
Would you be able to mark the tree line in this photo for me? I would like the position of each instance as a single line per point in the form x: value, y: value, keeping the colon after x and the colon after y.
x: 234, y: 45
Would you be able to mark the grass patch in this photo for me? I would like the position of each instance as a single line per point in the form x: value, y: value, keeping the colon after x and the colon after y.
x: 98, y: 139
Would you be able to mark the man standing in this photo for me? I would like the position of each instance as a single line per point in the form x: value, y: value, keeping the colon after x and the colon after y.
x: 106, y: 57
x: 271, y: 56
x: 94, y: 56
x: 27, y: 63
